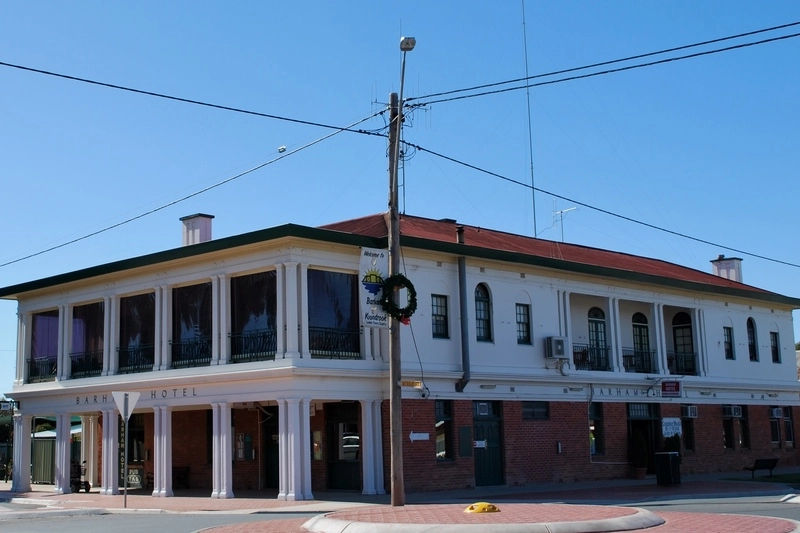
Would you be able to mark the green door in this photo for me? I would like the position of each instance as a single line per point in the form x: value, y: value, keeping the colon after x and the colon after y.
x: 488, y: 443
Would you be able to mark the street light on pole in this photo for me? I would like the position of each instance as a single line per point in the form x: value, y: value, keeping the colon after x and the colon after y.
x: 397, y: 488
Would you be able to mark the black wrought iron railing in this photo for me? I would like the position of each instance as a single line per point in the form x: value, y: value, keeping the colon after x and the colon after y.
x: 588, y: 357
x: 258, y: 345
x: 682, y: 363
x: 333, y: 343
x: 86, y: 364
x: 42, y: 369
x: 138, y: 359
x: 191, y: 352
x: 642, y: 361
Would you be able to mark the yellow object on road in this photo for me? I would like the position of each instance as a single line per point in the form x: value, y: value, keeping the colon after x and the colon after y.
x: 482, y: 507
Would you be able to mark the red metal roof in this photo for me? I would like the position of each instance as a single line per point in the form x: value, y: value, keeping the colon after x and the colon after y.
x: 445, y: 231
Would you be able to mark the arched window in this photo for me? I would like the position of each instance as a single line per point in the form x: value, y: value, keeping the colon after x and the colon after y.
x: 597, y: 328
x: 752, y: 340
x: 483, y: 313
x: 641, y: 334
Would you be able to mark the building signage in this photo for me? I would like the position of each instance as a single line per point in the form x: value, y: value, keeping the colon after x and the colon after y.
x: 418, y: 436
x: 670, y: 389
x: 671, y: 426
x: 374, y: 268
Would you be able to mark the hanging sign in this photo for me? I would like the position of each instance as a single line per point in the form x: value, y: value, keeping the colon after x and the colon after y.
x: 374, y: 268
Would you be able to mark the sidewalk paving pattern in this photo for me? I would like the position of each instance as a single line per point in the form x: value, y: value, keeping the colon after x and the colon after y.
x: 592, y: 506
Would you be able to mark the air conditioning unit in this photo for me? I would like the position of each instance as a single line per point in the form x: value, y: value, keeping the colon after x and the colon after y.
x: 733, y: 411
x: 776, y: 412
x: 557, y: 347
x: 689, y: 411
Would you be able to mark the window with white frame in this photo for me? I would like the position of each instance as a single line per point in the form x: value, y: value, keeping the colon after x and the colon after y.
x: 483, y: 313
x: 523, y: 312
x: 439, y: 320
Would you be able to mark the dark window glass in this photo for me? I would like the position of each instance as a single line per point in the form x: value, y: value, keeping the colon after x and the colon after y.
x: 483, y: 313
x: 87, y: 328
x: 523, y: 324
x: 641, y: 334
x: 597, y: 328
x: 727, y: 432
x: 191, y: 325
x: 752, y: 342
x: 727, y: 333
x: 439, y: 321
x: 682, y: 333
x: 744, y: 429
x: 253, y: 305
x: 44, y: 335
x: 535, y: 410
x: 688, y: 433
x: 775, y: 346
x: 788, y: 427
x: 775, y: 425
x: 137, y: 320
x: 333, y: 313
x: 444, y: 429
x: 596, y: 439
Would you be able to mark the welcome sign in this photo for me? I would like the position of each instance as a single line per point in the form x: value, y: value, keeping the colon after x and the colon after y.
x: 374, y: 268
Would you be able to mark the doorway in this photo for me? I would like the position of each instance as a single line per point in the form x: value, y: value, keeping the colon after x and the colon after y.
x: 488, y: 443
x: 343, y: 445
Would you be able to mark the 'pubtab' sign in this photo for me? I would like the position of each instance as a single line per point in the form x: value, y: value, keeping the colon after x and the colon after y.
x: 670, y: 389
x: 374, y: 268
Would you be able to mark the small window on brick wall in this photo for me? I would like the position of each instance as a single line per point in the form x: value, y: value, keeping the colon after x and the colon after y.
x: 535, y: 410
x: 444, y: 430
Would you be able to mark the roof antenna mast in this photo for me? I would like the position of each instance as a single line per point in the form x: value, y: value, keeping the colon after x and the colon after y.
x: 530, y: 120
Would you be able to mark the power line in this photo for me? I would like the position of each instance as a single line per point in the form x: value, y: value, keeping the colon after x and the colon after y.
x: 186, y: 100
x: 191, y: 195
x: 604, y: 63
x: 608, y: 71
x: 604, y: 211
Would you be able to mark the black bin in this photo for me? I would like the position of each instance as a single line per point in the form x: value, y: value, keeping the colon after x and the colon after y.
x: 668, y: 468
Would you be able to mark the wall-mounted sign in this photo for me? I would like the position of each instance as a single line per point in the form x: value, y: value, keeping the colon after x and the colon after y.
x: 479, y: 444
x: 419, y: 436
x: 670, y: 389
x: 671, y: 426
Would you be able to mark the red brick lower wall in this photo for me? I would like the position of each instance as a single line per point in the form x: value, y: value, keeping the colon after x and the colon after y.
x: 531, y: 450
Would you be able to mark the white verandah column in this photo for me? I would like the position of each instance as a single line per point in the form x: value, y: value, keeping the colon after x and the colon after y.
x: 162, y: 451
x: 62, y: 461
x: 222, y: 454
x: 110, y: 451
x: 21, y: 481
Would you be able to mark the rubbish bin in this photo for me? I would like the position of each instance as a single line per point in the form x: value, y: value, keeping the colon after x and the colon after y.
x: 668, y: 468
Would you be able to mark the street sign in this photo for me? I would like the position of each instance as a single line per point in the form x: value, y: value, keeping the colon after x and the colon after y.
x: 126, y: 401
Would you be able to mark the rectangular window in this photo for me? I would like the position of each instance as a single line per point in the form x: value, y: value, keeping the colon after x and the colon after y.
x: 775, y: 346
x: 727, y: 433
x: 333, y: 325
x: 137, y: 322
x: 728, y: 335
x: 86, y: 353
x: 596, y: 439
x: 253, y: 310
x: 744, y: 429
x: 44, y: 346
x: 535, y: 410
x: 788, y: 427
x: 444, y: 429
x: 523, y: 324
x: 191, y: 326
x: 439, y: 321
x: 775, y: 425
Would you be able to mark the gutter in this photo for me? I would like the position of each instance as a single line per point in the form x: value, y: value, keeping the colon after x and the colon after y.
x: 462, y: 301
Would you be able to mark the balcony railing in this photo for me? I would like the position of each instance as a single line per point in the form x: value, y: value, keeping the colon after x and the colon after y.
x: 138, y: 359
x: 333, y: 343
x: 191, y: 352
x: 86, y: 364
x: 642, y: 361
x: 42, y: 369
x: 682, y: 363
x: 258, y: 345
x: 590, y: 357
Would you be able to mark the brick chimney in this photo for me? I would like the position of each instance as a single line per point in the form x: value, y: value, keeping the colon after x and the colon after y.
x: 727, y: 267
x: 196, y: 228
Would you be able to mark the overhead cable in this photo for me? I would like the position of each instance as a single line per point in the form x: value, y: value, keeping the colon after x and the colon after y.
x: 604, y: 211
x: 192, y: 195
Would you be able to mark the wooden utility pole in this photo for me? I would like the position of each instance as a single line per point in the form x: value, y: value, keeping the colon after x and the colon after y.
x: 395, y: 391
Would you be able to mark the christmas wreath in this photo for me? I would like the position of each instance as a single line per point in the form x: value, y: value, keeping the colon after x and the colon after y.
x: 398, y: 281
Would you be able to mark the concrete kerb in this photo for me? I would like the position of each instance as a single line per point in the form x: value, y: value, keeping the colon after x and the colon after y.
x: 640, y: 519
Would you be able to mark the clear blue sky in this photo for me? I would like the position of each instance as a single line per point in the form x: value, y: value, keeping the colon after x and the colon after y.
x: 705, y: 146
